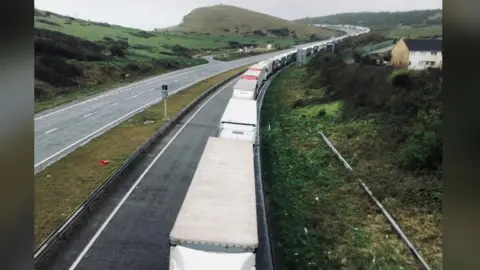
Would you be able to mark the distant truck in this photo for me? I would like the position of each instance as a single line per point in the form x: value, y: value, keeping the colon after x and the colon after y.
x: 216, y: 227
x: 260, y: 68
x: 245, y: 89
x: 258, y: 75
x: 239, y: 120
x: 268, y: 64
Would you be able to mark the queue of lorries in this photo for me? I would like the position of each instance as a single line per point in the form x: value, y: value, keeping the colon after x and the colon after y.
x: 216, y: 227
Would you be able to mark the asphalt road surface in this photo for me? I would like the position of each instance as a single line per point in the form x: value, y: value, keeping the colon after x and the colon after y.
x: 63, y: 129
x: 130, y: 229
x: 136, y: 236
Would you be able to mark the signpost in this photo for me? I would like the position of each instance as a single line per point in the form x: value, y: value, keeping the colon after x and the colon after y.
x: 165, y: 96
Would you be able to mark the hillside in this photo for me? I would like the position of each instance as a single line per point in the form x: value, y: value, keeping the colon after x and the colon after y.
x: 388, y: 125
x: 231, y: 20
x: 75, y: 58
x: 381, y: 20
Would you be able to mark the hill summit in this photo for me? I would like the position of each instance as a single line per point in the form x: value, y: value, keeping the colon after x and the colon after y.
x: 232, y: 20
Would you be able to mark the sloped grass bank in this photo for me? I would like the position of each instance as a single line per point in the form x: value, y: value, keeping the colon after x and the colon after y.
x: 320, y: 216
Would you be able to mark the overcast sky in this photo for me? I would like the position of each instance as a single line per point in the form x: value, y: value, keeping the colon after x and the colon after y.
x: 150, y: 14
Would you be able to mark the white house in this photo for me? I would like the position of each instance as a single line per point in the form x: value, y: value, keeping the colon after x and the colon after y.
x: 417, y: 53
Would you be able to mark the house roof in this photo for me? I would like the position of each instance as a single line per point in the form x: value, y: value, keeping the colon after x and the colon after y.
x: 430, y: 45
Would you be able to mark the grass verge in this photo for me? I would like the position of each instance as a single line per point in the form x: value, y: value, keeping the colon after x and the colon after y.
x: 417, y: 32
x: 63, y: 186
x: 320, y: 217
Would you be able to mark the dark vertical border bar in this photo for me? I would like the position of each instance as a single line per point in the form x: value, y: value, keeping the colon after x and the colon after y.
x: 16, y: 135
x: 461, y: 150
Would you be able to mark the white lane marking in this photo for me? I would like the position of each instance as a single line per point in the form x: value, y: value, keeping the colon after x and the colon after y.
x: 125, y: 116
x: 114, y: 104
x: 87, y: 115
x: 176, y: 80
x: 125, y: 88
x: 49, y: 131
x: 134, y: 96
x: 86, y: 101
x: 140, y: 178
x: 151, y: 90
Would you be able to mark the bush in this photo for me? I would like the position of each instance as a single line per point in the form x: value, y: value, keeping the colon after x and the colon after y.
x: 117, y: 50
x: 321, y: 113
x: 58, y: 44
x: 423, y: 149
x: 48, y: 22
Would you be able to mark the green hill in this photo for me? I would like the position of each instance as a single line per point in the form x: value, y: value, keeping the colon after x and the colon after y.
x: 76, y: 58
x: 235, y: 21
x: 416, y: 23
x: 380, y: 19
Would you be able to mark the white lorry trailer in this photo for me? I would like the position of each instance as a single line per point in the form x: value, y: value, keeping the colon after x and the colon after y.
x: 239, y: 120
x: 254, y: 74
x: 268, y: 66
x: 216, y: 227
x: 245, y: 89
x: 262, y: 69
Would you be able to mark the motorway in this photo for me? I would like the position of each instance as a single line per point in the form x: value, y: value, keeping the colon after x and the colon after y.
x: 130, y: 228
x: 63, y: 129
x: 146, y: 203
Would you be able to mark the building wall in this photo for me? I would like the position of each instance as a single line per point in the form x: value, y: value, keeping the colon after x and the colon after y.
x: 400, y: 54
x: 422, y: 60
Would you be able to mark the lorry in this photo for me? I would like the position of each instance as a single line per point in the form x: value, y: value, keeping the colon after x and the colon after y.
x: 302, y: 55
x: 239, y: 120
x: 283, y: 60
x: 245, y: 89
x: 268, y: 63
x: 291, y: 56
x: 253, y: 74
x: 275, y: 64
x: 216, y: 227
x: 261, y: 68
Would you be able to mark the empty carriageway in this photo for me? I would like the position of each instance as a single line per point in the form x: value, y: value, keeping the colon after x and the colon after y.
x: 60, y: 131
x: 130, y: 229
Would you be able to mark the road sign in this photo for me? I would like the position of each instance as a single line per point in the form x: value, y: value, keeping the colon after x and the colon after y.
x: 165, y: 96
x: 165, y: 90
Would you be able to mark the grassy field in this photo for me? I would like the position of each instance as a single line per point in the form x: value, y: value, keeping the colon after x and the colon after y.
x: 63, y: 186
x: 320, y: 216
x: 417, y: 32
x: 75, y: 58
x: 155, y: 42
x: 226, y: 19
x: 380, y: 20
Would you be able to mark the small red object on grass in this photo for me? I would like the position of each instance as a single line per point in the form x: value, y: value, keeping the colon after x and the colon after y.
x: 104, y: 162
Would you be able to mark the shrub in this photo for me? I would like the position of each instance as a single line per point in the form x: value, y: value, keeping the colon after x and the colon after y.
x: 117, y: 50
x: 401, y: 78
